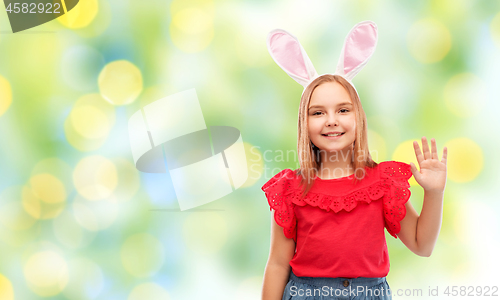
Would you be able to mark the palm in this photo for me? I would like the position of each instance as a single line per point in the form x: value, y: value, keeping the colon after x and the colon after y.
x: 432, y: 174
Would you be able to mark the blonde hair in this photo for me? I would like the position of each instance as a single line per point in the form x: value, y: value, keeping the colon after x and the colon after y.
x: 309, y: 157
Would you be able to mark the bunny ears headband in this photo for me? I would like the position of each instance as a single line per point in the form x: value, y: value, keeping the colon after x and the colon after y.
x: 358, y: 48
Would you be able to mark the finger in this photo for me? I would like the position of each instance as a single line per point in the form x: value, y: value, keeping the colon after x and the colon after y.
x: 418, y: 154
x: 434, y: 151
x: 445, y: 156
x: 425, y: 148
x: 414, y: 170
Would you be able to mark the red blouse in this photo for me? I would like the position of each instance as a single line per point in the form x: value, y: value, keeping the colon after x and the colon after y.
x: 338, y: 228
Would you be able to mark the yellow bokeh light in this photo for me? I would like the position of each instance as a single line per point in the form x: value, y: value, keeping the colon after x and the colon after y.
x: 100, y: 23
x: 37, y: 208
x: 405, y: 153
x: 95, y: 177
x: 5, y: 95
x: 495, y: 29
x: 192, y: 29
x: 465, y: 95
x: 95, y: 215
x: 81, y: 15
x: 205, y: 233
x: 12, y: 213
x: 465, y: 159
x: 150, y: 291
x: 429, y: 41
x: 78, y: 141
x: 179, y: 5
x: 57, y: 168
x: 90, y: 122
x: 46, y: 273
x: 48, y: 188
x: 120, y: 82
x: 87, y: 126
x: 377, y: 146
x: 98, y: 102
x: 192, y: 20
x: 6, y: 290
x: 142, y: 255
x: 44, y: 197
x: 86, y: 279
x: 255, y: 164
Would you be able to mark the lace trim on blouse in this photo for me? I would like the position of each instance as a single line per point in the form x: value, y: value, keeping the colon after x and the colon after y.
x: 275, y: 193
x: 392, y: 186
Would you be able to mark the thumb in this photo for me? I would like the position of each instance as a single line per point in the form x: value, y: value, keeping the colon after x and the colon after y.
x: 415, y: 172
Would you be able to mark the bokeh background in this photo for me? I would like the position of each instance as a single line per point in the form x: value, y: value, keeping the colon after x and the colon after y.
x: 78, y: 221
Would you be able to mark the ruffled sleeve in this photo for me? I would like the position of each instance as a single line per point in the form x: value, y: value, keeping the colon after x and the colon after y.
x: 276, y: 193
x: 396, y: 175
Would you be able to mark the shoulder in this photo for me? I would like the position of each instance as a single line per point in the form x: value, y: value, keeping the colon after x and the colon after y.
x: 394, y: 169
x: 284, y: 176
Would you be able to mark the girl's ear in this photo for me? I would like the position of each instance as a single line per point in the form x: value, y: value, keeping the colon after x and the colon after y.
x: 359, y: 46
x: 287, y: 52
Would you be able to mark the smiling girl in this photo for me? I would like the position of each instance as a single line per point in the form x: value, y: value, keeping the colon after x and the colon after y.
x: 328, y: 216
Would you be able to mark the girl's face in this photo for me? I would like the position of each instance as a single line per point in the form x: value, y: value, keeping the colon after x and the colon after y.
x: 331, y: 111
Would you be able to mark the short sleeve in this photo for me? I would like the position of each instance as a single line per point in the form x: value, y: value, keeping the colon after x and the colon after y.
x: 277, y: 191
x: 396, y: 174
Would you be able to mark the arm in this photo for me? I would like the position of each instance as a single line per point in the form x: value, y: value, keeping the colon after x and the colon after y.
x: 278, y: 264
x: 420, y: 233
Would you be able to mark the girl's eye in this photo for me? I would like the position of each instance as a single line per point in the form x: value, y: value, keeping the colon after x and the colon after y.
x: 316, y: 113
x: 343, y: 110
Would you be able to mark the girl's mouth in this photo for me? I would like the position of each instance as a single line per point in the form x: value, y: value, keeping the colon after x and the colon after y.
x: 333, y: 136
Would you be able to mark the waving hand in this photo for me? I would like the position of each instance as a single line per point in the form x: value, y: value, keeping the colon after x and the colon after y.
x: 432, y: 174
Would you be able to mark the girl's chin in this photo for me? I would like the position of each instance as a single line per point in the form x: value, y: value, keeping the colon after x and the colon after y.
x: 332, y: 150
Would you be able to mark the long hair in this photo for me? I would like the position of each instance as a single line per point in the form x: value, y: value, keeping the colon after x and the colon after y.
x: 309, y: 154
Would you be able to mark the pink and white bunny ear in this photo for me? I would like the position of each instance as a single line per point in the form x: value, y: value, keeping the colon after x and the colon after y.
x: 358, y: 48
x: 288, y: 53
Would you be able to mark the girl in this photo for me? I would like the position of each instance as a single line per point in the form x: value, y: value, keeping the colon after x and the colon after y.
x: 327, y: 236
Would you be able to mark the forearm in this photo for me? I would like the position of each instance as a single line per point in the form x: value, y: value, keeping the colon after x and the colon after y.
x: 429, y: 222
x: 275, y: 280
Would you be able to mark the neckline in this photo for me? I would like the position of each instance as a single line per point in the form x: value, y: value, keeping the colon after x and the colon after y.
x: 339, y: 178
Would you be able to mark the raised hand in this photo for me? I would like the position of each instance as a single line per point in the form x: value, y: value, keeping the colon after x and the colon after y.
x: 432, y: 174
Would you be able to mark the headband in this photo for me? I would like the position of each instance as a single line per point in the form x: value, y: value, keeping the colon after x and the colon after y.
x: 288, y: 53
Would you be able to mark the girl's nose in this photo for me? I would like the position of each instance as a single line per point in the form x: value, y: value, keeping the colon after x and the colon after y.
x: 331, y: 121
